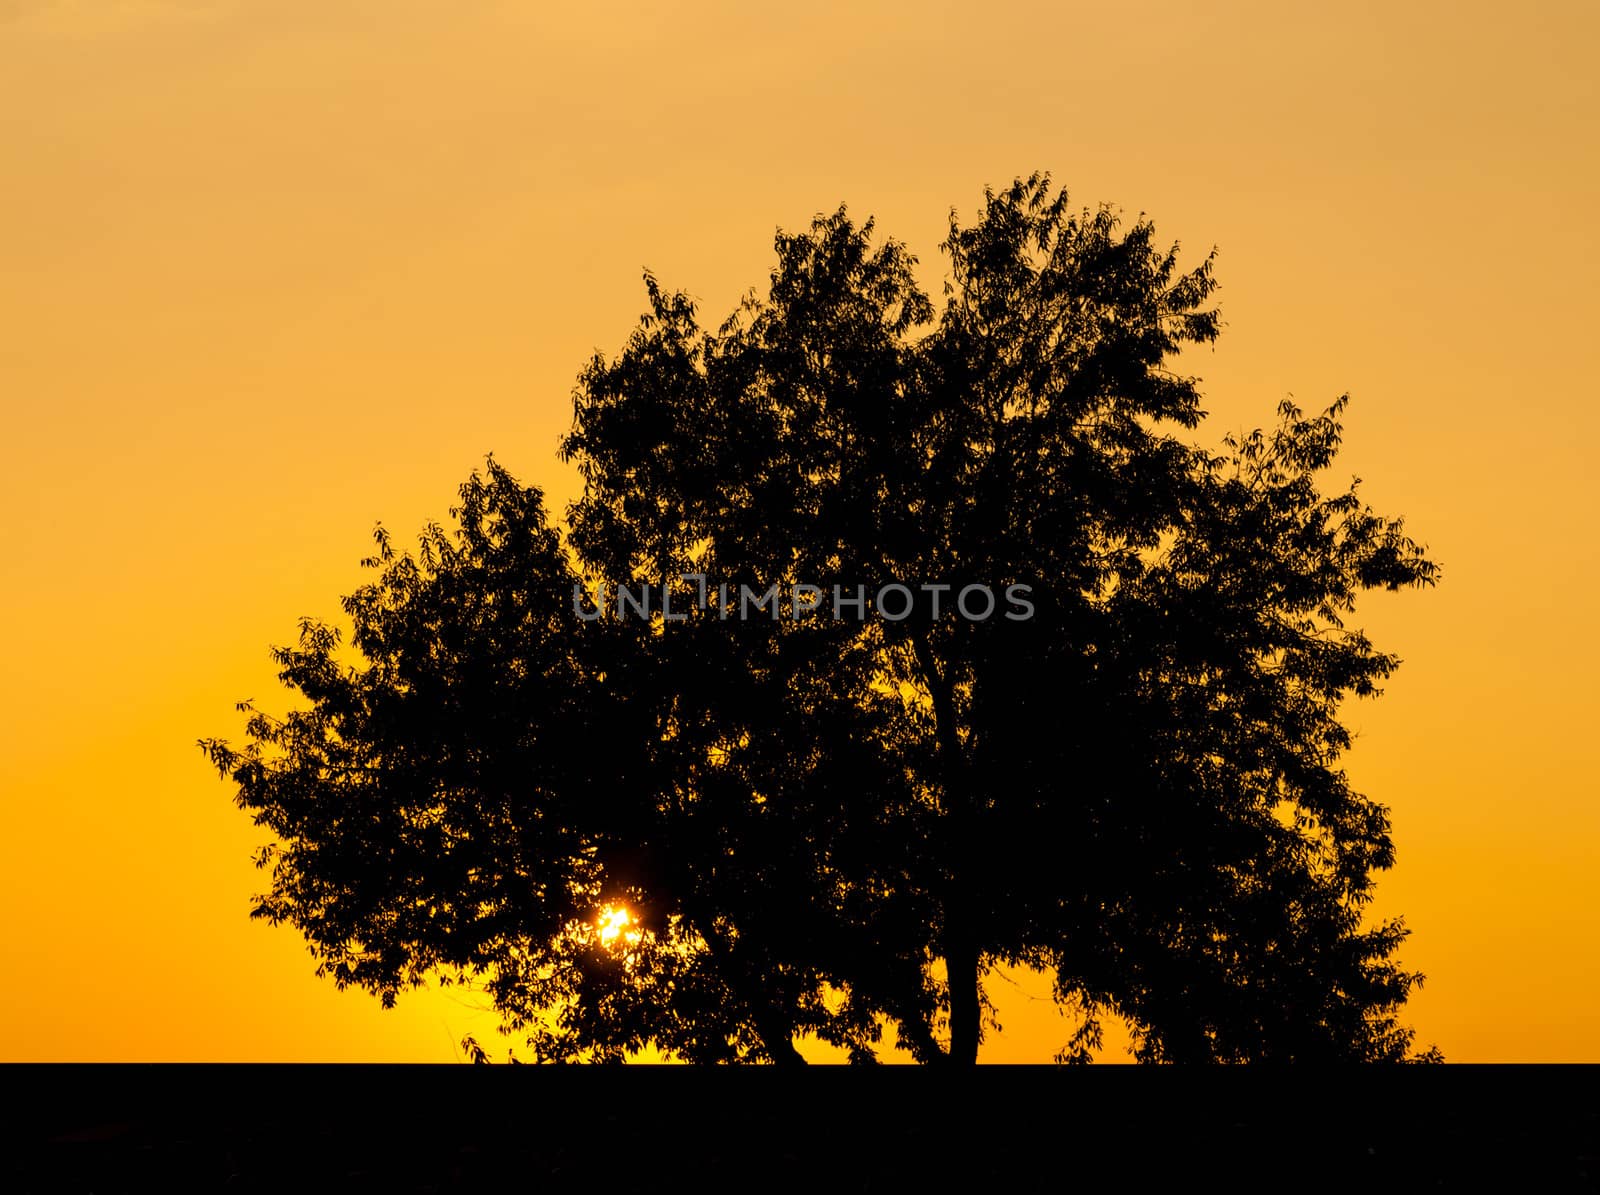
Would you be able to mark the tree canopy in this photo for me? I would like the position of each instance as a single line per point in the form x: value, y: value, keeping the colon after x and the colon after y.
x: 1096, y: 731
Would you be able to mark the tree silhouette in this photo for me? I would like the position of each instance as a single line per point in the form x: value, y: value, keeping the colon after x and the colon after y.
x: 827, y: 821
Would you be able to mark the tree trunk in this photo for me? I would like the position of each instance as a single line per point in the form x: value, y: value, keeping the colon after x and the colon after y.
x: 961, y: 953
x: 961, y: 966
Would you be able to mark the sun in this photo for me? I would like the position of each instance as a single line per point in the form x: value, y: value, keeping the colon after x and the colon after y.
x: 613, y: 924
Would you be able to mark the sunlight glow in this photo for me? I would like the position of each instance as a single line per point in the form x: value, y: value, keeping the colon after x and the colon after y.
x: 613, y: 924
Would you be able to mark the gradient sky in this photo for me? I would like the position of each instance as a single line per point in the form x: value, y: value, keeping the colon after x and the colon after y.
x: 272, y: 272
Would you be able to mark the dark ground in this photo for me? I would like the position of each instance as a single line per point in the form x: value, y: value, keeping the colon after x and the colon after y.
x: 439, y: 1128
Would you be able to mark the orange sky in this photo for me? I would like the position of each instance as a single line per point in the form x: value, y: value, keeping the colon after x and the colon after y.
x: 271, y: 272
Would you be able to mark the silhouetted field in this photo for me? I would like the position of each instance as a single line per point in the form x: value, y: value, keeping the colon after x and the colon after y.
x: 427, y: 1128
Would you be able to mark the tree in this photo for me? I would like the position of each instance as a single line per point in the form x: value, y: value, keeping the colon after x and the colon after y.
x: 841, y: 816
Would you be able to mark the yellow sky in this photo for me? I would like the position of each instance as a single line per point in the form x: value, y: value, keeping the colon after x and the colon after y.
x: 273, y: 271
